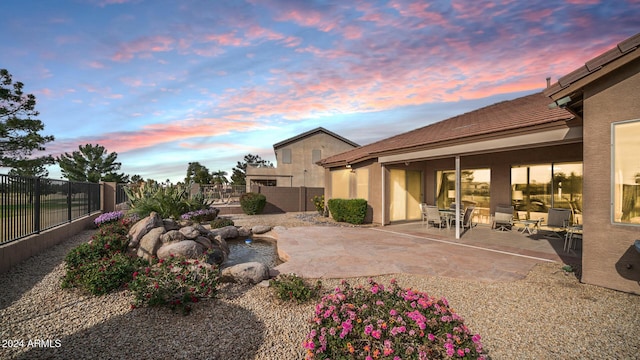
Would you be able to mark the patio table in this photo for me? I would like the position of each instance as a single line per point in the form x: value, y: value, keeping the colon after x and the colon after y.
x: 450, y: 216
x: 530, y: 225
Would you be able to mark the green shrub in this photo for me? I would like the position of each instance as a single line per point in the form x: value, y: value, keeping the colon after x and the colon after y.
x: 168, y: 201
x: 376, y: 323
x: 352, y: 211
x: 318, y: 202
x: 174, y: 282
x: 290, y: 287
x: 221, y: 222
x: 253, y: 203
x: 101, y: 266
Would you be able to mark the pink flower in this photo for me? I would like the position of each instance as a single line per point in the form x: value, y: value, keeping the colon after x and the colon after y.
x: 392, y: 312
x: 460, y: 352
x: 368, y: 329
x: 376, y: 334
x: 431, y: 337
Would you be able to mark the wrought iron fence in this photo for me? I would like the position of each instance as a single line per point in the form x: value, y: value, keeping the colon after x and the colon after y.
x: 30, y: 205
x: 121, y: 196
x: 224, y: 193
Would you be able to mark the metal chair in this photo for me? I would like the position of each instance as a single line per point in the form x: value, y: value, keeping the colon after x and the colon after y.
x: 558, y: 221
x: 503, y: 218
x: 434, y: 219
x: 423, y: 212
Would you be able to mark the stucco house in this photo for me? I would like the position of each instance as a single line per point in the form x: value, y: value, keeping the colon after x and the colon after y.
x: 297, y: 159
x: 566, y: 147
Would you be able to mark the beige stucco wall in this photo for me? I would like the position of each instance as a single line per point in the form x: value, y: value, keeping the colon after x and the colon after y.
x: 301, y: 171
x: 607, y: 248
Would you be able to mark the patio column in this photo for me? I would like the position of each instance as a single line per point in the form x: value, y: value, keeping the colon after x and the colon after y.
x: 458, y: 193
x: 382, y: 192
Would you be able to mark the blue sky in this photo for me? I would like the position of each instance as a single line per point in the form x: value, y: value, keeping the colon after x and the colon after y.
x: 165, y: 83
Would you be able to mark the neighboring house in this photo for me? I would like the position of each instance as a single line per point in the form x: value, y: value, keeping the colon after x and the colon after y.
x: 297, y: 159
x: 530, y: 152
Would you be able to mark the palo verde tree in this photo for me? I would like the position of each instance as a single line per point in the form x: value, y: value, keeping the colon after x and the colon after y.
x: 91, y: 163
x: 19, y: 130
x: 238, y: 177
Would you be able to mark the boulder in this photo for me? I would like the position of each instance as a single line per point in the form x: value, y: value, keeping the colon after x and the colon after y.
x: 260, y: 229
x: 227, y: 232
x: 172, y: 236
x: 244, y: 232
x: 204, y: 241
x: 150, y: 243
x: 201, y: 229
x: 186, y: 248
x: 218, y: 241
x: 142, y: 227
x: 190, y: 232
x: 216, y: 256
x: 170, y: 224
x: 279, y: 228
x: 245, y: 273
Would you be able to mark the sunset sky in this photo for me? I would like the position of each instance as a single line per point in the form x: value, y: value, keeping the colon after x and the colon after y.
x: 165, y: 83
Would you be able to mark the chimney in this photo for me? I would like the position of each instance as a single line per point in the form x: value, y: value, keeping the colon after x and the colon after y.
x: 548, y: 82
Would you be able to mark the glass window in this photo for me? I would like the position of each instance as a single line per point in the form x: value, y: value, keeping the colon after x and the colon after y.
x: 626, y: 172
x: 567, y: 188
x: 475, y: 189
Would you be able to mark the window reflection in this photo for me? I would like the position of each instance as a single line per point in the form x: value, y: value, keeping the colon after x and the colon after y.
x: 475, y: 189
x: 626, y: 172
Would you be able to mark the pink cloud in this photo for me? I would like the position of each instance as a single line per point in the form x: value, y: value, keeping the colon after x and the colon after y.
x: 144, y: 46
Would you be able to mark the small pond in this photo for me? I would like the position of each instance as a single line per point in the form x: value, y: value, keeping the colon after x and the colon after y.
x: 242, y: 250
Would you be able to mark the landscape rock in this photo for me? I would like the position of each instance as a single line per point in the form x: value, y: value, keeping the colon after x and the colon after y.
x: 186, y: 248
x: 201, y: 229
x: 245, y: 273
x: 244, y: 232
x: 227, y: 232
x: 218, y: 241
x: 279, y: 228
x: 205, y: 242
x: 150, y: 243
x: 142, y: 227
x: 172, y: 236
x: 260, y: 229
x: 170, y: 224
x: 190, y: 232
x: 216, y: 256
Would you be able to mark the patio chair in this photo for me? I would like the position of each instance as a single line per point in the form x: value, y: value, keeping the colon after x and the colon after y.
x: 503, y: 218
x: 558, y: 221
x: 467, y: 218
x: 434, y: 218
x: 423, y: 212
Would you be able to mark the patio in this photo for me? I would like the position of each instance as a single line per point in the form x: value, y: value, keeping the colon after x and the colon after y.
x: 541, y: 244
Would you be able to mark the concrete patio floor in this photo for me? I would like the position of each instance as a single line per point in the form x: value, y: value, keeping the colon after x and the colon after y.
x: 481, y: 254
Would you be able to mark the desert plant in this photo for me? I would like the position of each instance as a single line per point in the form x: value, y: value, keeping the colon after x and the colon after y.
x: 252, y: 203
x: 102, y: 265
x: 352, y: 211
x: 318, y: 202
x: 291, y: 287
x: 221, y: 222
x: 174, y: 282
x: 168, y: 201
x: 359, y: 323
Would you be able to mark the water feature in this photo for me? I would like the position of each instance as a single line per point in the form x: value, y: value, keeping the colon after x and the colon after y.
x: 242, y: 250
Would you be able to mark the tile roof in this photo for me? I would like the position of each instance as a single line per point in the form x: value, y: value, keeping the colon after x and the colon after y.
x: 511, y: 115
x: 313, y: 132
x: 599, y: 62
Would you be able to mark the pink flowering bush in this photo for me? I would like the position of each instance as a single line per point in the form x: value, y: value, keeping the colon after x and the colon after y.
x: 376, y: 323
x: 175, y: 282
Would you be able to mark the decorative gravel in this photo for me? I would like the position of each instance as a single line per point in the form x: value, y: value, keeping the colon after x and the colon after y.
x: 548, y: 315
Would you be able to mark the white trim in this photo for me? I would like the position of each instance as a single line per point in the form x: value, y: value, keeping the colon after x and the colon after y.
x: 384, y: 205
x: 539, y: 138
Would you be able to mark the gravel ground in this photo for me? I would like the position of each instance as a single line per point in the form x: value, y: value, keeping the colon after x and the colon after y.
x: 548, y: 315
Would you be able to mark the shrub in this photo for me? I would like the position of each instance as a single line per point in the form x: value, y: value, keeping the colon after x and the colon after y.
x: 352, y: 211
x: 252, y: 203
x: 168, y: 201
x: 291, y: 287
x: 221, y: 222
x: 358, y: 323
x: 108, y: 217
x: 200, y: 215
x: 174, y: 282
x: 318, y: 202
x: 102, y: 265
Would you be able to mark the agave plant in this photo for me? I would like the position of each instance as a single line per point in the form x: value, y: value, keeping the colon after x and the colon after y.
x: 169, y: 201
